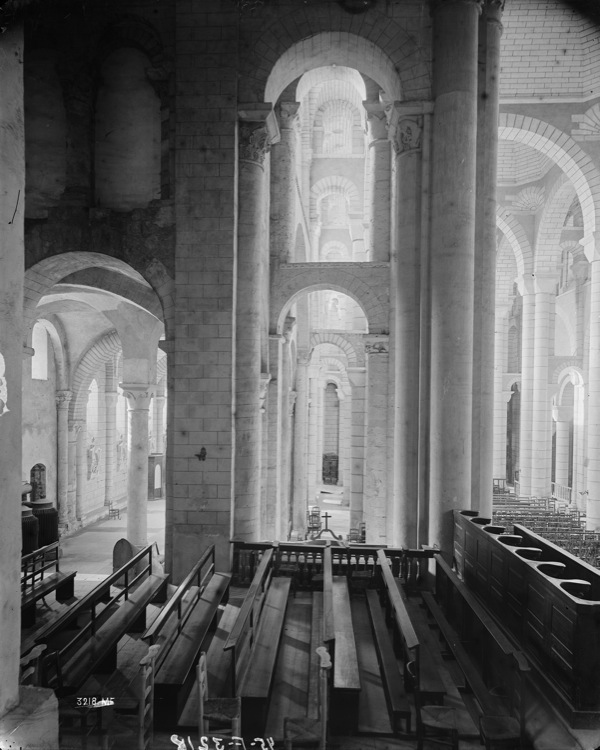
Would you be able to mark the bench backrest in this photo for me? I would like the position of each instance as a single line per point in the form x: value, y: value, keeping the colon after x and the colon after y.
x: 129, y: 576
x: 244, y: 631
x: 173, y: 616
x: 36, y: 564
x: 396, y: 608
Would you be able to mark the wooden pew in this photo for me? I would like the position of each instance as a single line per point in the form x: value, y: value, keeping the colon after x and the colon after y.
x: 254, y: 642
x: 393, y: 685
x: 407, y: 644
x: 40, y: 576
x: 181, y: 630
x: 346, y: 678
x: 494, y: 668
x: 84, y: 639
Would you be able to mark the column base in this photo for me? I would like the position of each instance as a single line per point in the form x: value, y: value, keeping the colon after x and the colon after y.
x: 33, y: 724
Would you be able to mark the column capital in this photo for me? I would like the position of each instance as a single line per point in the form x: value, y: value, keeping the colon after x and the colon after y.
x: 76, y: 426
x: 376, y: 344
x: 138, y: 395
x: 288, y: 115
x: 258, y: 130
x: 63, y: 398
x: 544, y: 282
x: 377, y: 122
x: 303, y: 358
x: 406, y: 125
x: 525, y: 284
x: 357, y: 376
x: 289, y: 324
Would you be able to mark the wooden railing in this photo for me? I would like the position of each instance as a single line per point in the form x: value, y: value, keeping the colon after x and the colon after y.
x: 406, y: 640
x: 178, y: 608
x: 245, y: 628
x: 128, y: 576
x: 561, y: 492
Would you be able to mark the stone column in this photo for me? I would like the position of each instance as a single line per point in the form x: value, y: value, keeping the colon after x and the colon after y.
x: 501, y: 398
x: 406, y: 132
x: 380, y: 182
x: 80, y: 470
x: 266, y: 528
x: 455, y: 32
x: 345, y: 465
x: 357, y: 236
x: 286, y: 408
x: 562, y: 415
x: 12, y: 202
x: 283, y: 187
x: 63, y: 399
x: 541, y: 444
x: 315, y: 432
x: 490, y: 32
x: 526, y: 290
x: 377, y: 407
x: 138, y: 397
x: 286, y: 471
x: 300, y: 477
x: 358, y: 378
x: 254, y: 143
x: 159, y: 418
x: 110, y: 465
x: 592, y: 251
x: 274, y: 458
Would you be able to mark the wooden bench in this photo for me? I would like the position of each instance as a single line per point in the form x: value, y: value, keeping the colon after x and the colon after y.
x: 181, y: 631
x: 393, y: 685
x: 40, y: 576
x: 84, y: 639
x: 254, y: 642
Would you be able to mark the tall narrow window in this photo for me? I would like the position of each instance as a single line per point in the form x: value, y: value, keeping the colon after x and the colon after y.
x: 39, y: 363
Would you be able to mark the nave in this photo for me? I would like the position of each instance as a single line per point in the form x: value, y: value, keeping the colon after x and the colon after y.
x: 356, y: 584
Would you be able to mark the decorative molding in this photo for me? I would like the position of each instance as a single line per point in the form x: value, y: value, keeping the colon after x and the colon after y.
x: 63, y: 398
x: 407, y: 135
x: 138, y: 396
x: 530, y: 199
x: 254, y: 143
x: 377, y: 345
x: 288, y: 115
x: 589, y: 125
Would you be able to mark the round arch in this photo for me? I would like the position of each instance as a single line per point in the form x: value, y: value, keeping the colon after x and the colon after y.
x: 106, y: 347
x: 370, y: 291
x: 547, y: 250
x: 42, y: 276
x: 565, y: 153
x: 515, y: 234
x: 355, y: 357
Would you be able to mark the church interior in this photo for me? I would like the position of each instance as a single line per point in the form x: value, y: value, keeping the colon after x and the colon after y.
x: 300, y: 329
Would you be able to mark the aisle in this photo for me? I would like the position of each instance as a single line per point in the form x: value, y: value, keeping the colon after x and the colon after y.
x: 372, y: 708
x: 290, y: 682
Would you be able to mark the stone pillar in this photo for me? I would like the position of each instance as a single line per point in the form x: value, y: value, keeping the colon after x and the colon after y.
x: 110, y: 465
x: 562, y: 415
x: 490, y: 32
x: 159, y: 418
x: 80, y: 471
x: 300, y: 488
x: 74, y: 429
x: 315, y: 433
x: 138, y: 397
x: 455, y: 31
x: 357, y: 236
x: 526, y: 290
x: 274, y: 458
x: 541, y: 444
x: 286, y: 471
x: 592, y: 251
x: 345, y: 465
x: 254, y: 143
x: 265, y: 519
x: 63, y: 399
x: 357, y: 377
x: 375, y: 508
x: 380, y: 182
x: 283, y: 187
x: 12, y: 202
x: 500, y: 397
x: 286, y: 407
x: 406, y: 132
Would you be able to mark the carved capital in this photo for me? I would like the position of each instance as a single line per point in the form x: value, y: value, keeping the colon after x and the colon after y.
x: 265, y: 379
x: 407, y: 135
x: 376, y: 121
x: 254, y: 142
x: 375, y: 344
x: 63, y: 398
x: 289, y: 326
x: 138, y: 396
x: 288, y: 115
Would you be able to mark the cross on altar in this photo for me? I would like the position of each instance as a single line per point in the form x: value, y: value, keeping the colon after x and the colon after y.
x: 326, y: 516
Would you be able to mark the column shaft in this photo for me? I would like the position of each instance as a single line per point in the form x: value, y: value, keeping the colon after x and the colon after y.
x: 405, y: 271
x: 283, y: 188
x: 252, y: 243
x: 376, y: 471
x: 110, y: 448
x: 81, y: 475
x: 527, y: 347
x: 300, y: 496
x: 357, y: 378
x: 380, y: 182
x: 62, y: 456
x: 561, y: 466
x: 490, y: 31
x: 138, y: 400
x: 500, y: 402
x: 453, y: 183
x: 593, y: 410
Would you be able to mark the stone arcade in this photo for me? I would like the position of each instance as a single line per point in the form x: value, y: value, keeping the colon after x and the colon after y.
x: 271, y: 248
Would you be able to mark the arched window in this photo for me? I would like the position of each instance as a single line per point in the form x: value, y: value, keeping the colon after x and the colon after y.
x: 39, y: 362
